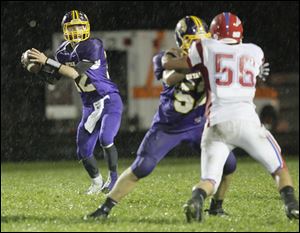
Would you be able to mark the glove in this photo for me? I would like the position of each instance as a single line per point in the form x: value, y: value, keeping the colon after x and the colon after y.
x: 264, y: 71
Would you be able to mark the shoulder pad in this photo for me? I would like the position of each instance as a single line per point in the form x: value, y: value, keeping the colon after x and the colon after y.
x: 90, y: 49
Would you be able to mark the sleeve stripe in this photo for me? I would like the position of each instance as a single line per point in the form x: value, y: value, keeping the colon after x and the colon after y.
x: 200, y: 50
x: 189, y: 62
x: 195, y: 54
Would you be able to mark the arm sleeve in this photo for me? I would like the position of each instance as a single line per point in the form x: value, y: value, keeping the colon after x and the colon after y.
x: 90, y: 53
x: 157, y: 66
x: 194, y: 58
x: 90, y: 50
x: 83, y: 66
x: 49, y: 75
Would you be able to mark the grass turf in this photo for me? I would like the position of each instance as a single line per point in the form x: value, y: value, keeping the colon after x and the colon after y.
x: 47, y: 196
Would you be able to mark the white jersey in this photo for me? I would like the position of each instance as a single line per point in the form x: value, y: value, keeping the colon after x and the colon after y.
x: 230, y: 73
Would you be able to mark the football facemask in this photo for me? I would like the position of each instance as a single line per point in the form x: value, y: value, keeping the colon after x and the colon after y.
x: 189, y: 29
x: 76, y: 26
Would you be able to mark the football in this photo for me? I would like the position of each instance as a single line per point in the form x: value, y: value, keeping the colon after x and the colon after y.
x: 30, y: 66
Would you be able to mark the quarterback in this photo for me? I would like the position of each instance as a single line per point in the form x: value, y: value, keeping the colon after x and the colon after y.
x: 83, y: 60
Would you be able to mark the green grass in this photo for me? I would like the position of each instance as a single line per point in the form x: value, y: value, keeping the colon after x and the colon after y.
x: 47, y: 196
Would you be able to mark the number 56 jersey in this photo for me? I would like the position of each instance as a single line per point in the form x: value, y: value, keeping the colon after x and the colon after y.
x: 95, y: 82
x: 230, y: 74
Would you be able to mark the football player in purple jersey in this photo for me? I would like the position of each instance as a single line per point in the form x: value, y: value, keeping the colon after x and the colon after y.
x: 180, y: 118
x: 83, y: 59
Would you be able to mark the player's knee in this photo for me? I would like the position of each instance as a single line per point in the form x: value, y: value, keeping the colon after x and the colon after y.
x: 230, y: 165
x: 280, y: 170
x: 105, y: 139
x: 143, y: 166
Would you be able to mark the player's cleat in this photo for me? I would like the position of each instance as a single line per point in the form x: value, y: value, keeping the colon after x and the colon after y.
x: 193, y: 210
x: 292, y: 210
x: 94, y: 189
x: 101, y: 213
x: 217, y: 212
x: 110, y: 183
x: 216, y: 208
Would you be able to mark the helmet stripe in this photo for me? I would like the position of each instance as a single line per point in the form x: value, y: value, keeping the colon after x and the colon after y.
x: 195, y: 20
x: 226, y: 14
x: 76, y: 13
x: 199, y: 22
x: 73, y: 15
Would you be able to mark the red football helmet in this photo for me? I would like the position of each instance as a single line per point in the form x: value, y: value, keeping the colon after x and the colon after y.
x: 227, y: 27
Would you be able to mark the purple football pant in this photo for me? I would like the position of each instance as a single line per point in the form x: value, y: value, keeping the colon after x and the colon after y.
x: 106, y: 127
x: 157, y: 143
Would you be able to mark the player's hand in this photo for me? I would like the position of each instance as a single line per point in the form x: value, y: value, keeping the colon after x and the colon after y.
x: 264, y: 71
x: 37, y: 56
x: 171, y: 54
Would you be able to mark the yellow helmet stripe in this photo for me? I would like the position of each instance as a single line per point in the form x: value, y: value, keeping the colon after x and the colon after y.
x: 73, y: 15
x: 76, y: 13
x: 194, y: 18
x: 200, y: 22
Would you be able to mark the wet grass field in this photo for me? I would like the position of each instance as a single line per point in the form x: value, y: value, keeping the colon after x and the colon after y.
x: 48, y: 196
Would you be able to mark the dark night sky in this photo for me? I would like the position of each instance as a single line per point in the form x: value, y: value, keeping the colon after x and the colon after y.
x: 272, y: 25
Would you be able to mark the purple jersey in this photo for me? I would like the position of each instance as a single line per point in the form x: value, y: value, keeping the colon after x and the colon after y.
x: 182, y: 106
x: 94, y: 83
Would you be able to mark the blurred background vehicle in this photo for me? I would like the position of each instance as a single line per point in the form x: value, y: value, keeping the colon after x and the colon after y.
x: 39, y: 121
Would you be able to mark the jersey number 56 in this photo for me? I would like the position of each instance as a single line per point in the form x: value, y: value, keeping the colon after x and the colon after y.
x: 230, y: 69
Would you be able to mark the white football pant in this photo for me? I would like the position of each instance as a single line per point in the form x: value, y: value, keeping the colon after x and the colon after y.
x: 220, y: 139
